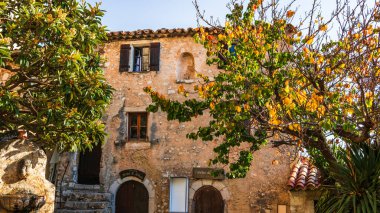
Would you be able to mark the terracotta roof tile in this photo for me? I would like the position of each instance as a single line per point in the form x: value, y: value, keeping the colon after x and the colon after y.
x: 304, y: 176
x: 153, y: 34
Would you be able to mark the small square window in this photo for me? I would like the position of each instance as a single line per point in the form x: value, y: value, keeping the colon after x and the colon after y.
x: 137, y: 126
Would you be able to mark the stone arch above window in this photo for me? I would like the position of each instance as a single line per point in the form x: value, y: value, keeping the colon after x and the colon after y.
x: 186, y: 68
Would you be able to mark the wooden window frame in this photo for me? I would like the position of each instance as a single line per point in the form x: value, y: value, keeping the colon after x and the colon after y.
x: 141, y: 48
x: 128, y: 56
x: 138, y: 126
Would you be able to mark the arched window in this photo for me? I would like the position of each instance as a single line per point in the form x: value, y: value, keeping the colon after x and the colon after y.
x: 185, y: 67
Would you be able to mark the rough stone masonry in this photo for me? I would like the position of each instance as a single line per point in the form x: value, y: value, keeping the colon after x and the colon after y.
x: 165, y: 152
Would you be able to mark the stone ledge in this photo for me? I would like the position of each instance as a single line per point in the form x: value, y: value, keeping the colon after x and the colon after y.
x: 187, y: 81
x: 77, y: 186
x: 137, y: 145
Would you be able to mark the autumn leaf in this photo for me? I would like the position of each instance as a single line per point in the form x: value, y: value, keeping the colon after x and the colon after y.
x: 294, y: 127
x: 323, y: 27
x: 212, y: 105
x: 181, y: 89
x: 238, y: 108
x: 328, y: 70
x: 309, y: 40
x: 287, y: 101
x: 290, y: 13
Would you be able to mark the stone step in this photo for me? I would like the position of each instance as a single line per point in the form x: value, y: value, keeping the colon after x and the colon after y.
x: 86, y: 196
x: 77, y: 186
x: 85, y: 205
x: 84, y: 211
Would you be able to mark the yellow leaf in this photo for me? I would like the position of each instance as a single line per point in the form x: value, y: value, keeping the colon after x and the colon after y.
x: 212, y: 105
x: 328, y: 70
x: 221, y: 36
x: 287, y: 101
x: 323, y: 27
x: 290, y: 13
x: 295, y: 127
x: 238, y: 108
x: 272, y: 113
x: 287, y: 89
x: 349, y: 111
x: 309, y: 40
x: 246, y: 107
x: 181, y: 89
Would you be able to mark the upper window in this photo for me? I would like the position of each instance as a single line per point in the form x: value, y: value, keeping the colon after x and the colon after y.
x: 137, y: 128
x: 139, y: 58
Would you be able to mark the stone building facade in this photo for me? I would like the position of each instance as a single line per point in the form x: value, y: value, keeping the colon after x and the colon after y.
x: 147, y: 160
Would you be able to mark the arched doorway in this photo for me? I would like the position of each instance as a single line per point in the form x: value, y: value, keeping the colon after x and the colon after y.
x: 132, y: 197
x: 208, y: 199
x: 89, y: 165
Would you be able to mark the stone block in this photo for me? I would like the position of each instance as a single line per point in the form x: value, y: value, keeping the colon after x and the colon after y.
x: 225, y: 194
x: 206, y: 182
x: 218, y: 185
x: 196, y: 185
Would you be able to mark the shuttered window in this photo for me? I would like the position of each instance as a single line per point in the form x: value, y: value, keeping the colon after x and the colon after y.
x: 125, y: 49
x: 140, y: 58
x: 155, y: 56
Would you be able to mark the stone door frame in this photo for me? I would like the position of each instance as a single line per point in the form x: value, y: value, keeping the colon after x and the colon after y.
x: 117, y: 183
x: 214, y: 183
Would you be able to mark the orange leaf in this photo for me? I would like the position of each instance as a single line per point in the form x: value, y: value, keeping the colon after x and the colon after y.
x: 290, y: 13
x: 323, y: 27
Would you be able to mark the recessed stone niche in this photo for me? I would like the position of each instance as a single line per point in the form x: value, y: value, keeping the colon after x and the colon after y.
x: 186, y: 68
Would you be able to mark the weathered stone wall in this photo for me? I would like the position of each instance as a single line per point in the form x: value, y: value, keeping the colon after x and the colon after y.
x: 17, y: 176
x: 303, y: 201
x: 167, y: 153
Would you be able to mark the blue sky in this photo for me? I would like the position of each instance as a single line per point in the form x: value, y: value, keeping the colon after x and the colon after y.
x: 127, y: 15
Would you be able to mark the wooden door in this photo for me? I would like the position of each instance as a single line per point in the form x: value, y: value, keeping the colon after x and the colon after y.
x: 89, y: 166
x: 207, y: 199
x: 132, y: 197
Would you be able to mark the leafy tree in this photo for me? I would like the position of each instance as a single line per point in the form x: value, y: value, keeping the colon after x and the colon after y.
x: 56, y: 89
x: 288, y: 81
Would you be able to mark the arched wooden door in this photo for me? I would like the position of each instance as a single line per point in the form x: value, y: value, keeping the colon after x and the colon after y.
x: 208, y: 199
x: 132, y: 197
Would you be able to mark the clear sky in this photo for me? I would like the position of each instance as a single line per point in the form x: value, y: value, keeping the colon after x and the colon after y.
x: 127, y: 15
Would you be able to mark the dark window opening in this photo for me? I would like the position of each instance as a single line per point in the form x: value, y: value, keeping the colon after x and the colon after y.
x: 138, y: 123
x: 89, y: 165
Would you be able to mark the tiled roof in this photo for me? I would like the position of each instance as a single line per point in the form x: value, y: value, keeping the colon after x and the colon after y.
x: 304, y: 176
x: 153, y: 34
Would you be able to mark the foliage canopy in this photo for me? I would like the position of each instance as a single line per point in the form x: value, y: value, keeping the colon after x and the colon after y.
x: 55, y: 87
x: 287, y: 81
